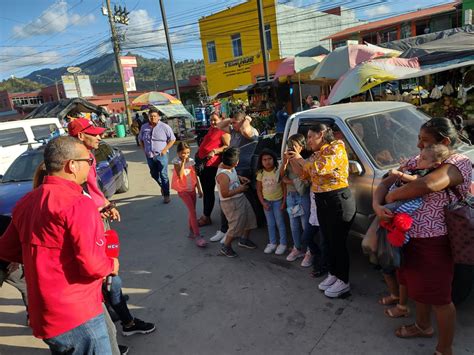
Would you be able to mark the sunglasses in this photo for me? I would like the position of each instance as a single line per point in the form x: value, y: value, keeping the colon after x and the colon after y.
x: 90, y: 161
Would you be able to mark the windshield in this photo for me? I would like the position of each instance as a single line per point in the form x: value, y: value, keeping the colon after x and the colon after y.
x: 24, y: 167
x: 389, y: 137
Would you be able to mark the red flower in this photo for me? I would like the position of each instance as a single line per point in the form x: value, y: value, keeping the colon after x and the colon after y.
x: 396, y: 237
x: 402, y: 222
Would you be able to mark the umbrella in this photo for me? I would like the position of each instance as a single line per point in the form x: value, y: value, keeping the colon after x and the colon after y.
x: 153, y: 98
x: 295, y: 65
x: 342, y: 59
x: 369, y: 74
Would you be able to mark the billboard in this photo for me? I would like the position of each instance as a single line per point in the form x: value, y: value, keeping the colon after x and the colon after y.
x: 128, y: 63
x: 77, y: 86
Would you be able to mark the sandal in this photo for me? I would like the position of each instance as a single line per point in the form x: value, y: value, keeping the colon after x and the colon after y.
x: 389, y: 300
x: 397, y: 312
x: 414, y: 331
x: 204, y: 221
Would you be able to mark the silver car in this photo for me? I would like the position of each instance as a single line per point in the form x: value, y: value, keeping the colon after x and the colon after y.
x: 378, y: 135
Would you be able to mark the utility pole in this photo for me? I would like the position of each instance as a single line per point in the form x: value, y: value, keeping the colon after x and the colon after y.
x: 116, y: 46
x: 263, y: 40
x: 170, y: 51
x: 55, y: 83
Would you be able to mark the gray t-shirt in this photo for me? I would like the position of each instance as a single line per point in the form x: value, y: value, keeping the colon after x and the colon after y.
x: 237, y: 140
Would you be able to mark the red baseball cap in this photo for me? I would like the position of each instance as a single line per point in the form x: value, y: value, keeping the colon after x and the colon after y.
x: 83, y: 125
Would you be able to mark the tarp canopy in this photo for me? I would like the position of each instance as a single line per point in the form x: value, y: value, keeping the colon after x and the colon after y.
x: 414, y: 42
x: 66, y: 107
x: 173, y: 110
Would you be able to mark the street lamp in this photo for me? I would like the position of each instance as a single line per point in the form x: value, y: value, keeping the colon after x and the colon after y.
x: 54, y: 81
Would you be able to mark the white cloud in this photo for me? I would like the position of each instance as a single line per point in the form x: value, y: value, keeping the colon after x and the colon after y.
x: 17, y: 58
x: 54, y: 19
x: 378, y: 10
x: 143, y: 30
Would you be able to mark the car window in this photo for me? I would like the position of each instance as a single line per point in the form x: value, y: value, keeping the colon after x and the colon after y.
x: 303, y: 129
x: 12, y: 136
x: 24, y: 167
x: 43, y: 131
x: 388, y: 137
x: 103, y: 152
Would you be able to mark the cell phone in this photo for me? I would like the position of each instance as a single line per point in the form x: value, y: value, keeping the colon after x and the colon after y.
x: 108, y: 208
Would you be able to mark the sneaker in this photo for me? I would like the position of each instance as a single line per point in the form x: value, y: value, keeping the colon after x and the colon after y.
x: 217, y: 237
x: 337, y: 289
x: 307, y: 260
x: 247, y: 243
x: 200, y: 241
x: 138, y: 327
x: 123, y: 349
x: 280, y: 249
x: 294, y: 254
x: 327, y: 282
x: 228, y: 251
x: 270, y: 248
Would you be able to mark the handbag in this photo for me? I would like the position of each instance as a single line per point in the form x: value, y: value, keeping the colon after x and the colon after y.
x: 459, y: 216
x: 199, y: 164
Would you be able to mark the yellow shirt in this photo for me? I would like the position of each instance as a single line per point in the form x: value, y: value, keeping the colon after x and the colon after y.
x: 271, y: 186
x: 328, y: 168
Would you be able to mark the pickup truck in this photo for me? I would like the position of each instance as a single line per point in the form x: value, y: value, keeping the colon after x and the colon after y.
x: 377, y: 135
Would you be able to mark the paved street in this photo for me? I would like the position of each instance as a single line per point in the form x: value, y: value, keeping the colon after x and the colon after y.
x: 204, y: 303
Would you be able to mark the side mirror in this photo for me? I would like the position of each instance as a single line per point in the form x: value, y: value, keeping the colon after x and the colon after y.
x: 355, y: 168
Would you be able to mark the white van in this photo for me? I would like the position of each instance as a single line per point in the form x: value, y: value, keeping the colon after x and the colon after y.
x: 16, y: 136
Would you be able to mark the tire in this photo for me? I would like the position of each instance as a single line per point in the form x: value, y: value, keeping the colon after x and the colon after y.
x: 125, y: 185
x: 462, y: 282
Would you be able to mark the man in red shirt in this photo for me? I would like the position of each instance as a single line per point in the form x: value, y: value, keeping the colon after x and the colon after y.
x: 89, y: 135
x: 57, y: 233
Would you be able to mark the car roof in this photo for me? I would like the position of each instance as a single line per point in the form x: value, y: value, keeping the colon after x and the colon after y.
x: 353, y: 109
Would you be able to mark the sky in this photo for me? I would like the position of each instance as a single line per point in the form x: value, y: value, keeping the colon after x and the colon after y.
x: 36, y: 34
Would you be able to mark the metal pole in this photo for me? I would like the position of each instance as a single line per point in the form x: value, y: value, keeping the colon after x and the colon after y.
x: 263, y: 40
x: 170, y: 51
x: 57, y: 90
x: 119, y: 64
x: 301, y: 94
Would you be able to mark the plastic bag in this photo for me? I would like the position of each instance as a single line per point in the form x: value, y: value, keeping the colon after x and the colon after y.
x: 369, y: 243
x: 388, y: 256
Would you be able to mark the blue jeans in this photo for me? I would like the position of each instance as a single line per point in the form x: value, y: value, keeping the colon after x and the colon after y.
x: 89, y: 338
x: 117, y: 301
x: 159, y: 172
x: 299, y: 223
x: 275, y: 219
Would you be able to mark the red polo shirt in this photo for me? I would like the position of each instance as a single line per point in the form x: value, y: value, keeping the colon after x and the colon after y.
x: 57, y: 233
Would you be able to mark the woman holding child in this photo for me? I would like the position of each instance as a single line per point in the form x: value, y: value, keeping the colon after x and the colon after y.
x: 427, y: 267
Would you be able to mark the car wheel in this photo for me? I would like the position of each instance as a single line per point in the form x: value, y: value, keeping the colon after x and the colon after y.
x: 462, y: 282
x: 124, y: 186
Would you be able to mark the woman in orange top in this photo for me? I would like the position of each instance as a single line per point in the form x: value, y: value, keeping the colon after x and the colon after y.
x: 328, y: 170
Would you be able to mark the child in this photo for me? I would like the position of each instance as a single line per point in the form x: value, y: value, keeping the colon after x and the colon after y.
x: 430, y: 158
x: 272, y: 195
x: 185, y: 182
x: 234, y: 204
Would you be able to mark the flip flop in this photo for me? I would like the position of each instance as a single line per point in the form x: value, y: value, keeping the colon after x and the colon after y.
x: 388, y: 300
x: 414, y: 331
x: 398, y: 311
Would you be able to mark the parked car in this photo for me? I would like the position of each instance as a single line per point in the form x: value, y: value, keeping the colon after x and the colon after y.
x: 17, y: 136
x: 377, y: 135
x: 17, y: 181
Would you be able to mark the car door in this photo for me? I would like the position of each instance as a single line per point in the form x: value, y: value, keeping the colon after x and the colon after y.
x: 361, y: 172
x: 12, y: 145
x: 105, y: 175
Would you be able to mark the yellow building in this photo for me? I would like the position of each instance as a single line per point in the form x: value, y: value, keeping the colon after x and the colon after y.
x: 230, y: 39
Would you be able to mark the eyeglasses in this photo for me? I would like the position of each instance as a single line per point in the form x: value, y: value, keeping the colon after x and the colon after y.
x: 90, y: 161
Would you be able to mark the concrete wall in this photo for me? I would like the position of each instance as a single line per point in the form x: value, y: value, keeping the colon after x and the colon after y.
x: 302, y: 29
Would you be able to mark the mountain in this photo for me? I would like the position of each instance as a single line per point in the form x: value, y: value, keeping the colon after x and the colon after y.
x: 102, y: 70
x: 19, y: 85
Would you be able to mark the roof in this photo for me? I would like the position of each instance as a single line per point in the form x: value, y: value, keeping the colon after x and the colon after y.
x: 354, y: 109
x: 65, y: 107
x: 409, y: 16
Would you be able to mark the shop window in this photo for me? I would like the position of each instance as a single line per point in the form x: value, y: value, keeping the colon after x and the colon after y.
x: 211, y: 52
x: 268, y: 36
x: 236, y: 45
x: 387, y: 36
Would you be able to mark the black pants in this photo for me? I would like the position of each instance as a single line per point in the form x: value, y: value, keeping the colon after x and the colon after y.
x: 336, y: 211
x: 208, y: 182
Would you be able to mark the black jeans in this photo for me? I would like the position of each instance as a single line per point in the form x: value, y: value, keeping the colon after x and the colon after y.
x: 208, y: 182
x: 336, y: 211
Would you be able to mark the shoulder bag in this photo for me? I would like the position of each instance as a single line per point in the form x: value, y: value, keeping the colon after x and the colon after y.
x: 459, y: 216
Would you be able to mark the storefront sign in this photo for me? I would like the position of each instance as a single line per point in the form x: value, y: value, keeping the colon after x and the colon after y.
x: 239, y: 62
x: 238, y: 66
